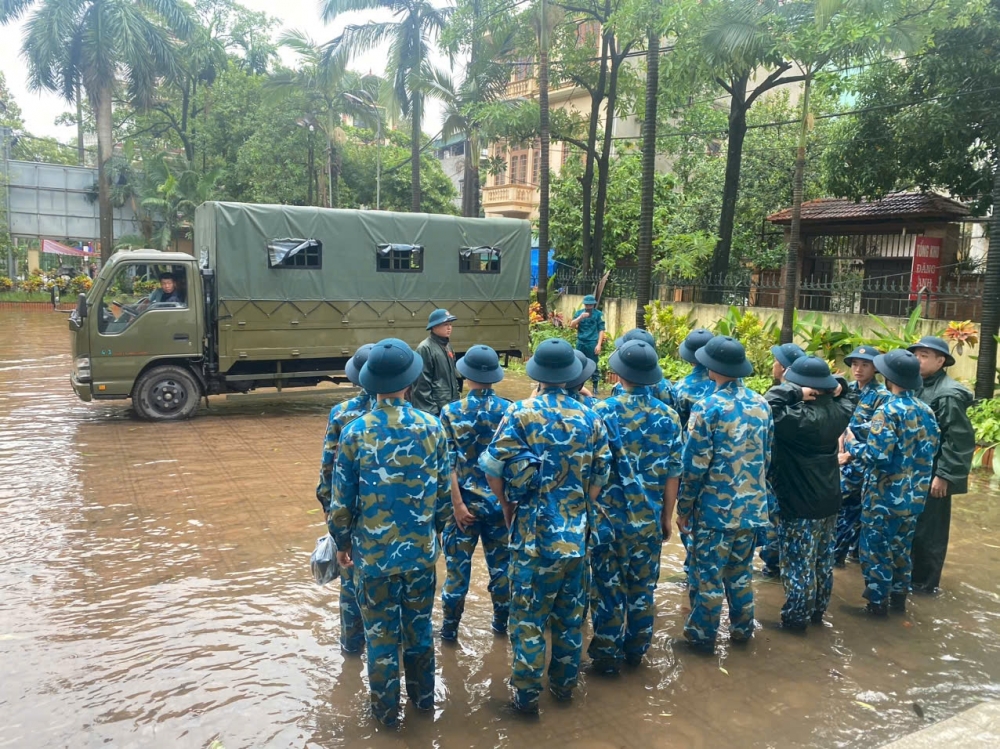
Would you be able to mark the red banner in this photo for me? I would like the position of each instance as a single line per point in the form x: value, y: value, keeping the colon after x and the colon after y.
x: 52, y: 247
x: 926, y: 265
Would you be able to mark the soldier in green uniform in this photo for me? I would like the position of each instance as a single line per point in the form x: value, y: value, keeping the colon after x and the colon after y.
x: 949, y: 400
x: 391, y: 497
x: 438, y: 384
x: 352, y: 631
x: 547, y: 464
x: 590, y: 333
x: 723, y: 495
x: 476, y: 514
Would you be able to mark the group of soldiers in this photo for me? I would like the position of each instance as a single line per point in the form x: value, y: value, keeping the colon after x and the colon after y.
x: 573, y: 496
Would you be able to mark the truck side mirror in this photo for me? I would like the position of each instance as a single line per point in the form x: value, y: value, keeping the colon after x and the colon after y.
x: 81, y: 306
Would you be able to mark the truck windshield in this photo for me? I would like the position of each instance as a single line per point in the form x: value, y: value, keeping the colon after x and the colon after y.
x: 137, y: 288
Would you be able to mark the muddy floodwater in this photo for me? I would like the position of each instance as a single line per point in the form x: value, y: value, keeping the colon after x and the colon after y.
x: 155, y: 592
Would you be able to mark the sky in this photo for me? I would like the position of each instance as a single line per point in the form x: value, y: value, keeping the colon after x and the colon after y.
x: 40, y: 109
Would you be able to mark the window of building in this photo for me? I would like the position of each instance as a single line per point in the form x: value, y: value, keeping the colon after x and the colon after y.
x: 483, y: 259
x: 399, y: 258
x: 295, y: 253
x: 522, y: 69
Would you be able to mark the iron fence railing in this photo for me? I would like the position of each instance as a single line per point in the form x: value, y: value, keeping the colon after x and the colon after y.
x: 958, y: 298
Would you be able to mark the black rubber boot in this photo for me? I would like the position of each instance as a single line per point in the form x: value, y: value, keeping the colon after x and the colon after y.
x: 877, y: 609
x: 897, y: 602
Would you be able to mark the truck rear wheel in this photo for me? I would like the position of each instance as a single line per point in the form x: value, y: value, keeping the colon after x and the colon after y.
x: 166, y: 393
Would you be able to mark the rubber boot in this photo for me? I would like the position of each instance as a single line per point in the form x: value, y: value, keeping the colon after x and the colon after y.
x: 897, y: 602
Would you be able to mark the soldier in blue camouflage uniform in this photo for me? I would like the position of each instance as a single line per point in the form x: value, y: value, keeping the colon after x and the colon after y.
x: 352, y: 630
x: 390, y: 499
x: 899, y: 460
x: 695, y: 386
x: 470, y: 425
x: 688, y: 391
x: 723, y: 495
x: 871, y: 394
x: 590, y: 331
x: 645, y: 437
x: 558, y: 450
x: 770, y: 548
x: 576, y: 388
x: 663, y: 391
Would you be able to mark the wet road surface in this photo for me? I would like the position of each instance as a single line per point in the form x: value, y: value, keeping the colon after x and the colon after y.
x: 155, y: 592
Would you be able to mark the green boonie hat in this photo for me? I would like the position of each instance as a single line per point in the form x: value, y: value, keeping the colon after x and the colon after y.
x: 901, y: 367
x: 694, y: 341
x: 787, y: 353
x: 811, y: 372
x: 439, y: 317
x: 356, y: 362
x: 480, y: 364
x: 554, y: 363
x: 589, y: 299
x: 589, y: 367
x: 725, y: 356
x: 392, y: 366
x: 862, y: 353
x: 937, y: 345
x: 636, y: 334
x: 636, y: 362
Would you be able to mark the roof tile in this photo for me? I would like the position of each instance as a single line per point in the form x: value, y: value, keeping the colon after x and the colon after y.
x: 893, y: 206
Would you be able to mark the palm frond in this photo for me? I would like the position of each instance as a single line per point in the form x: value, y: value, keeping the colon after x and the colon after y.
x: 333, y: 8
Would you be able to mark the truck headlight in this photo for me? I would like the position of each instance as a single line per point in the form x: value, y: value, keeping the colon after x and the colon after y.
x: 81, y: 368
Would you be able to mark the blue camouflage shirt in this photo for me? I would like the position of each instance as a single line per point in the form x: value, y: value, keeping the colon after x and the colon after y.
x: 470, y: 425
x: 650, y: 436
x: 564, y: 446
x: 899, y: 456
x: 663, y: 391
x: 341, y: 415
x: 870, y: 398
x: 726, y: 458
x: 691, y: 389
x: 392, y: 489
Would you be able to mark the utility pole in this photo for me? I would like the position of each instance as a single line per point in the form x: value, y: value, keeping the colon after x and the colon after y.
x: 5, y: 135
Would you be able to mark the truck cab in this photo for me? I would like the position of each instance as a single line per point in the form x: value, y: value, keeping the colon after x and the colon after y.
x: 139, y: 333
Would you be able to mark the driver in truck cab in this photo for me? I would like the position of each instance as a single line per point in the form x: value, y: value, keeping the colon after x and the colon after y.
x: 168, y: 291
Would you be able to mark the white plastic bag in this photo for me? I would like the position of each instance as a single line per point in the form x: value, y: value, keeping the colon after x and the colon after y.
x: 323, y: 561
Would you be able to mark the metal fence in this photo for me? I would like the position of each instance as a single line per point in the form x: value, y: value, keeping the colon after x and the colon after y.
x: 960, y: 298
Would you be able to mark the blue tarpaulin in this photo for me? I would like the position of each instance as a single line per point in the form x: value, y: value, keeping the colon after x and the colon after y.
x: 534, y: 264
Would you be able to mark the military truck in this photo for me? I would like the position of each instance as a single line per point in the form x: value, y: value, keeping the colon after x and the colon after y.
x: 282, y: 296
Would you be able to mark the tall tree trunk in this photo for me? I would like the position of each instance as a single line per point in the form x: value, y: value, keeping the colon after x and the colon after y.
x: 604, y: 162
x: 731, y: 188
x: 986, y: 366
x: 81, y: 156
x: 646, y: 205
x: 543, y: 172
x: 415, y: 153
x: 469, y: 186
x: 587, y: 183
x: 336, y: 163
x: 795, y: 241
x: 101, y: 102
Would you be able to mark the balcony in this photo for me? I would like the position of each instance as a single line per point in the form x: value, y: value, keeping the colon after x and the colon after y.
x: 517, y: 201
x: 526, y: 88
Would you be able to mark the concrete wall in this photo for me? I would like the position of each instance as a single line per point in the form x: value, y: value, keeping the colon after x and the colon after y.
x: 619, y: 316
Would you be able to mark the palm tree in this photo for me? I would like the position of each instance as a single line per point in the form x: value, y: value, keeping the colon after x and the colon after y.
x: 543, y: 172
x: 176, y: 190
x: 106, y: 47
x: 330, y: 92
x: 411, y: 33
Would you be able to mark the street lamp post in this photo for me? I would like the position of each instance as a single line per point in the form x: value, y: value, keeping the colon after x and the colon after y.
x: 308, y: 123
x: 367, y: 101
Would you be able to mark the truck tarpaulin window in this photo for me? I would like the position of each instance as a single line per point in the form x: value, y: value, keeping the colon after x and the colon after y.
x: 294, y: 253
x: 483, y: 259
x: 399, y: 258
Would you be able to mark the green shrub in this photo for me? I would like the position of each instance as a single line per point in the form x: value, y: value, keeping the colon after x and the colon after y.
x: 667, y: 328
x: 759, y: 383
x: 985, y: 418
x: 6, y: 284
x: 80, y: 285
x: 34, y: 283
x: 541, y: 331
x: 675, y: 369
x: 756, y: 335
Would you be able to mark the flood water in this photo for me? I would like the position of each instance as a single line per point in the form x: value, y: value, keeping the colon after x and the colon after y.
x: 155, y: 592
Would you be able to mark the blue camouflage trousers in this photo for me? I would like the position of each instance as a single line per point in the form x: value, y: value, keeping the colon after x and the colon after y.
x: 621, y: 599
x: 886, y: 543
x: 806, y: 567
x: 546, y: 593
x: 397, y: 613
x: 352, y: 628
x: 848, y: 525
x: 721, y: 568
x: 459, y: 547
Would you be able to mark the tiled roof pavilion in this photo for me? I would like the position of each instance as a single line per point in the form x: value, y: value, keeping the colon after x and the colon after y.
x: 893, y: 207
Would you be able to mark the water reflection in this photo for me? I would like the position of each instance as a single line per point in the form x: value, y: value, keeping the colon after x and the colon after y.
x: 154, y: 591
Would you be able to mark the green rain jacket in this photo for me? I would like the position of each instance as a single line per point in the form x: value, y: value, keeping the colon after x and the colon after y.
x: 438, y: 385
x: 949, y: 401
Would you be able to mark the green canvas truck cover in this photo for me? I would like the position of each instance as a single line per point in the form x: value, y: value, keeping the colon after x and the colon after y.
x: 234, y: 239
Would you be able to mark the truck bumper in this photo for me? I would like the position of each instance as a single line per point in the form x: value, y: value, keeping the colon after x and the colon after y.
x: 81, y: 389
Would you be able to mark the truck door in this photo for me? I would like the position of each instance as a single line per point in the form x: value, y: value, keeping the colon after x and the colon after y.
x: 146, y: 312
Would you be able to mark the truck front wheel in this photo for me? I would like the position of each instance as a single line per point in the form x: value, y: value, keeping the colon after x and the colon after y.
x: 166, y: 393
